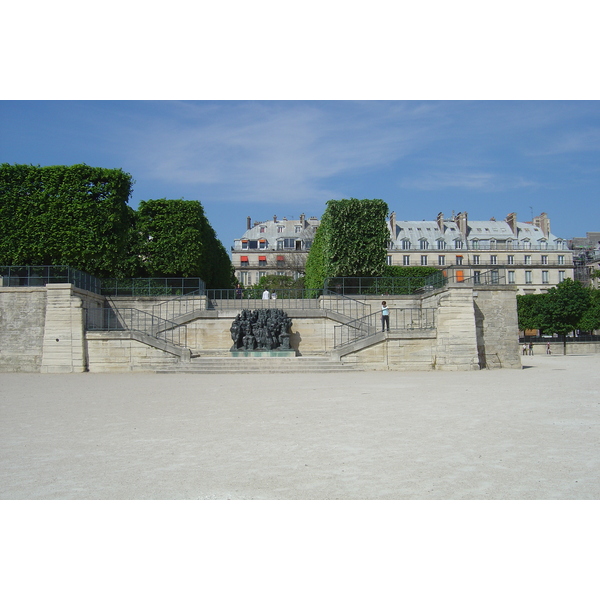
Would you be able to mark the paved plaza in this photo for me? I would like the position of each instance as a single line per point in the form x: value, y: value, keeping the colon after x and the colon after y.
x: 492, y: 434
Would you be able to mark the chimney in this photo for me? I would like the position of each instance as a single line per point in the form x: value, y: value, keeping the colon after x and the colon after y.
x: 461, y: 222
x: 302, y: 220
x: 393, y: 225
x: 511, y: 219
x: 543, y: 222
x: 440, y: 222
x: 274, y: 218
x: 248, y: 223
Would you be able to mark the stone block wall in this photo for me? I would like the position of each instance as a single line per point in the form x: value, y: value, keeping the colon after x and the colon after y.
x: 22, y: 319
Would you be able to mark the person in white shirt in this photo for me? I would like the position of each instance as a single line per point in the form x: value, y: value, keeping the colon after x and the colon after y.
x: 385, y: 316
x: 266, y: 295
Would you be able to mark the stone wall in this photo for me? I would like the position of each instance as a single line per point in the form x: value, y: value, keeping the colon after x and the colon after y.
x: 22, y: 319
x: 497, y: 327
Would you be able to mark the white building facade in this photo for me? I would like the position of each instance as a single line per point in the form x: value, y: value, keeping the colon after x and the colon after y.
x: 524, y: 254
x: 275, y: 247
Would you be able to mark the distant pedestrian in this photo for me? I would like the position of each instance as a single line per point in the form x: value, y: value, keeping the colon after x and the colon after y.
x: 266, y: 295
x: 530, y: 348
x: 548, y: 351
x: 238, y: 291
x: 385, y: 316
x: 524, y: 349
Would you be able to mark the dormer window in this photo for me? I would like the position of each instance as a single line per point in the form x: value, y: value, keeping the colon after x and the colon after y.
x: 458, y: 244
x: 423, y: 244
x: 262, y: 229
x: 441, y: 244
x: 405, y: 244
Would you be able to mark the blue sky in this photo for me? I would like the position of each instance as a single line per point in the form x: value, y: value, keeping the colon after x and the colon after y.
x: 260, y: 158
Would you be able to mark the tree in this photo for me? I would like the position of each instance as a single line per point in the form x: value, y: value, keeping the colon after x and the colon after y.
x: 175, y: 239
x: 65, y: 215
x: 529, y: 309
x: 351, y: 241
x: 563, y: 307
x: 590, y: 320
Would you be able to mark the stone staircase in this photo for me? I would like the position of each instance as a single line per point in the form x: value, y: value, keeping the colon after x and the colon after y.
x: 226, y: 364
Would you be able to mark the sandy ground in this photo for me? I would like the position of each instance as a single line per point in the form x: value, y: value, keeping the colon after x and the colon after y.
x: 505, y: 434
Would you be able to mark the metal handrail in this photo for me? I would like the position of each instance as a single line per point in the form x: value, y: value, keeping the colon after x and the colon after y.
x: 401, y: 319
x: 132, y: 319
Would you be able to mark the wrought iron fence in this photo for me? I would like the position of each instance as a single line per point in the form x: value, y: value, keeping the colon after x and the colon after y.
x: 401, y: 319
x: 132, y: 319
x: 286, y: 299
x: 176, y: 307
x: 153, y: 286
x: 40, y: 275
x: 396, y: 286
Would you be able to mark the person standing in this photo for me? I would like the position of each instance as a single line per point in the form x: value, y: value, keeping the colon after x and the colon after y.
x: 385, y: 316
x: 530, y: 348
x: 266, y: 295
x: 548, y: 351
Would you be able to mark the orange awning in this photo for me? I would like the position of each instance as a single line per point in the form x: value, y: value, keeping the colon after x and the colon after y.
x: 262, y: 258
x: 244, y: 258
x: 280, y: 258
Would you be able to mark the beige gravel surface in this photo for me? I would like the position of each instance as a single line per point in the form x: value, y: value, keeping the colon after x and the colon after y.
x: 504, y: 434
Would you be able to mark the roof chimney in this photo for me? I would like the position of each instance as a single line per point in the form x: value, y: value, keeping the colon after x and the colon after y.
x: 440, y: 222
x: 248, y: 223
x: 393, y: 225
x: 511, y: 219
x: 543, y: 222
x: 274, y: 218
x: 461, y: 222
x: 302, y: 219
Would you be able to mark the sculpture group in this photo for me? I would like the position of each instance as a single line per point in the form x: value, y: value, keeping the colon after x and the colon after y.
x: 262, y: 329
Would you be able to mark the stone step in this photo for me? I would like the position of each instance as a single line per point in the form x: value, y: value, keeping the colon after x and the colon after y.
x: 259, y: 365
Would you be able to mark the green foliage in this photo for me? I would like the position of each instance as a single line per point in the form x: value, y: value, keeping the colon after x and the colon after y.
x: 65, y: 215
x: 175, y: 239
x: 560, y: 310
x: 280, y: 282
x: 563, y: 307
x: 351, y: 241
x: 590, y: 320
x: 529, y: 309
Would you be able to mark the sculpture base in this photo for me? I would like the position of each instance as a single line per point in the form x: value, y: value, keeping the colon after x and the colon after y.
x: 264, y: 353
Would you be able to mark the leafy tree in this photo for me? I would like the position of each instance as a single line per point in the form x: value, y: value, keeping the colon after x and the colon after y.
x: 529, y: 309
x: 176, y: 240
x: 591, y: 317
x: 280, y: 282
x: 65, y: 215
x: 351, y: 241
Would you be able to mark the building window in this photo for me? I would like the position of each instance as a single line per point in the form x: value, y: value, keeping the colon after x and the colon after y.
x: 423, y: 260
x: 244, y: 277
x: 262, y: 244
x: 423, y: 244
x: 476, y: 259
x: 544, y: 259
x: 561, y: 276
x: 406, y: 260
x: 510, y: 259
x: 527, y: 276
x: 441, y: 244
x: 388, y: 260
x: 262, y: 230
x: 458, y: 244
x: 561, y: 259
x: 280, y: 229
x: 476, y: 276
x: 459, y: 260
x: 405, y: 245
x: 261, y: 274
x: 244, y: 244
x: 475, y: 244
x: 262, y: 261
x: 545, y: 277
x: 493, y: 259
x: 244, y: 261
x: 528, y: 259
x: 280, y: 260
x: 495, y: 277
x: 511, y: 277
x: 297, y: 229
x: 441, y: 260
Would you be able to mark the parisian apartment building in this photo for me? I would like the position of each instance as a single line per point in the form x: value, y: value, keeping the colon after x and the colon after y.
x: 276, y: 247
x: 521, y: 253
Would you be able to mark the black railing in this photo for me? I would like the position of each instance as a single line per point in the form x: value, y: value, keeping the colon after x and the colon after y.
x: 395, y: 286
x: 40, y: 275
x: 400, y: 319
x: 153, y: 286
x: 132, y: 319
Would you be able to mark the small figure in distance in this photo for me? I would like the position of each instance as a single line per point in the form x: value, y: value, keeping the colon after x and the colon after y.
x: 385, y: 316
x: 266, y: 295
